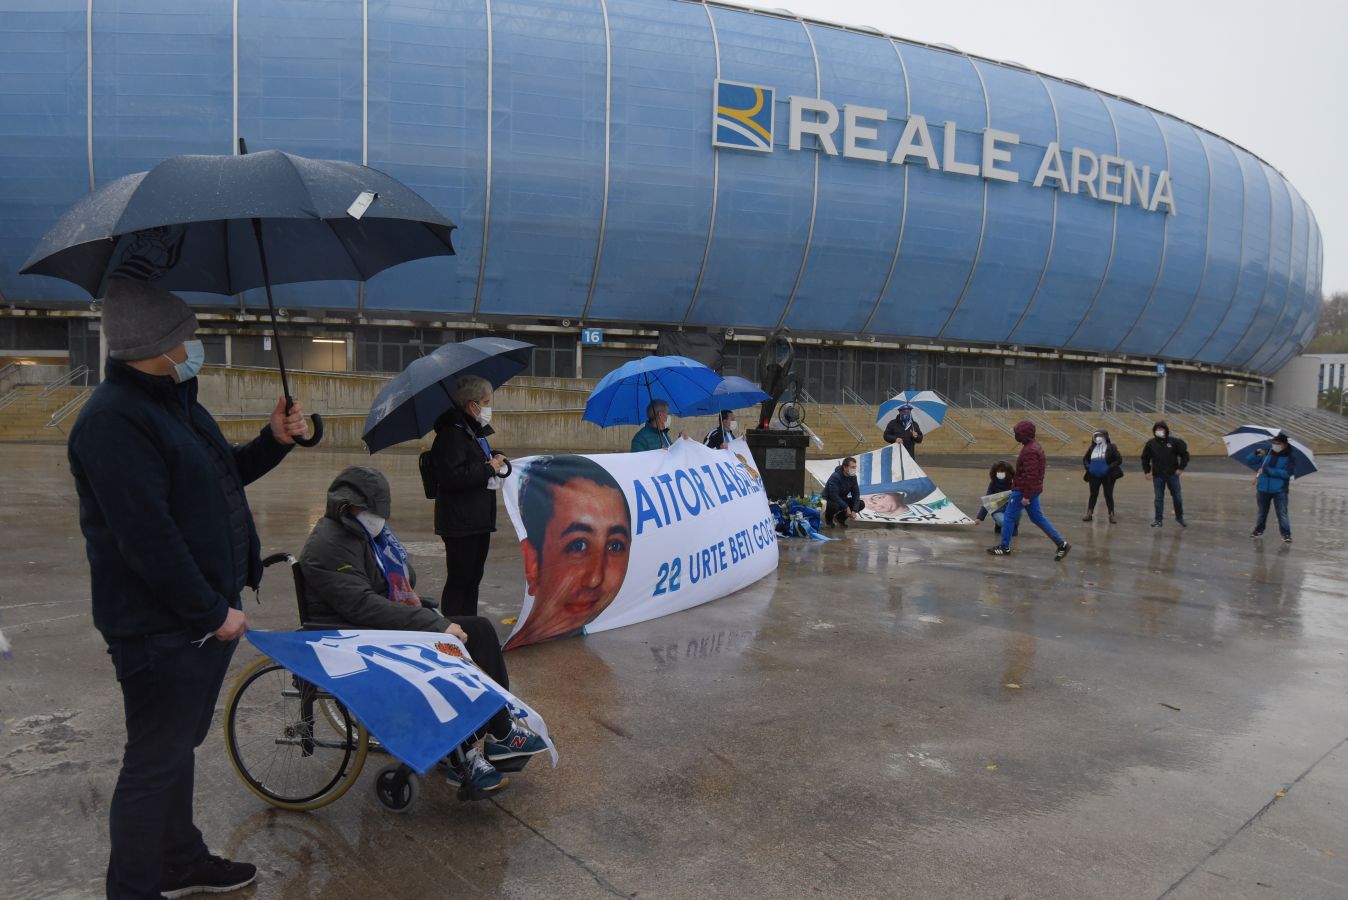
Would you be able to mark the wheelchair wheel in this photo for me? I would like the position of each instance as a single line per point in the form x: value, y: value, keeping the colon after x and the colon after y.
x: 279, y: 748
x: 396, y: 788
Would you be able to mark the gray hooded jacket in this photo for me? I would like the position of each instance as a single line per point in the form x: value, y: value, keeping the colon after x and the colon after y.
x: 342, y: 581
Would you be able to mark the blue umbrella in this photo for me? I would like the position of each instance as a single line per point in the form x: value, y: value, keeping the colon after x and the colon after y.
x: 928, y: 409
x: 407, y: 407
x: 733, y: 392
x: 1251, y: 444
x: 622, y: 396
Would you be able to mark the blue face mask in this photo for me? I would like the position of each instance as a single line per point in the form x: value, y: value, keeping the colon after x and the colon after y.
x: 188, y: 368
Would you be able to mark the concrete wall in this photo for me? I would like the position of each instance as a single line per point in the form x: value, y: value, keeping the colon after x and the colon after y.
x: 1297, y: 383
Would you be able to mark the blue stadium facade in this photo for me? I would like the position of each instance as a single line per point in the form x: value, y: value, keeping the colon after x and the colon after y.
x: 573, y: 143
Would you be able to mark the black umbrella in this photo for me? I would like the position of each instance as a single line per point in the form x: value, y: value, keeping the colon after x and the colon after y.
x: 408, y: 406
x: 227, y: 224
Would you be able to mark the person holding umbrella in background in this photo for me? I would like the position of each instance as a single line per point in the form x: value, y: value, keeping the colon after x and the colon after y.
x: 171, y: 545
x: 654, y: 435
x: 1272, y: 485
x: 1104, y: 465
x: 904, y: 428
x: 467, y: 476
x: 719, y: 438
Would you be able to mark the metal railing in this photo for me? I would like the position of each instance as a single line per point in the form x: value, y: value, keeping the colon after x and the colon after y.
x: 66, y: 380
x: 1284, y: 417
x: 11, y: 398
x: 985, y: 414
x: 1016, y: 401
x: 67, y: 409
x: 851, y: 396
x: 1111, y: 419
x: 8, y: 372
x: 1054, y: 404
x: 1330, y: 420
x: 952, y: 406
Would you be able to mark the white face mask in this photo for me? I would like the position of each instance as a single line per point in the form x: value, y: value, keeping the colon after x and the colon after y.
x: 1160, y: 433
x: 1001, y: 476
x: 730, y: 426
x: 1278, y: 448
x: 483, y: 415
x: 373, y: 524
x: 1099, y: 439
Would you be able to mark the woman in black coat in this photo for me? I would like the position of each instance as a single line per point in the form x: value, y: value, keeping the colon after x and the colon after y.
x: 1104, y: 465
x: 467, y: 476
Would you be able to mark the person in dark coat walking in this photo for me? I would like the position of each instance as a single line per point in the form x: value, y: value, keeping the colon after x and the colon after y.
x: 1272, y: 484
x: 1000, y: 476
x: 842, y: 494
x: 903, y: 427
x: 1104, y: 465
x: 1164, y: 459
x: 1026, y: 487
x: 467, y: 478
x: 720, y: 437
x: 357, y: 575
x: 171, y: 545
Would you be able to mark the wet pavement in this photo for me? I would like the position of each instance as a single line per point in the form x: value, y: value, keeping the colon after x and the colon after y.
x: 894, y: 714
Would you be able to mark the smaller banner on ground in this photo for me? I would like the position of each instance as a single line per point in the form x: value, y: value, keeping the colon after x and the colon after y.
x: 418, y: 692
x: 616, y: 538
x: 894, y: 489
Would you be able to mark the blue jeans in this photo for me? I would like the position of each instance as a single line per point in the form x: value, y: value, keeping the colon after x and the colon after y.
x: 1159, y: 483
x: 1279, y: 501
x: 1036, y: 515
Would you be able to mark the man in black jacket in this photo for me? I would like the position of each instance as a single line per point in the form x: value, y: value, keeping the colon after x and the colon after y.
x: 171, y: 545
x: 904, y: 428
x: 467, y: 475
x: 347, y: 584
x: 720, y: 437
x: 1164, y: 458
x: 842, y: 494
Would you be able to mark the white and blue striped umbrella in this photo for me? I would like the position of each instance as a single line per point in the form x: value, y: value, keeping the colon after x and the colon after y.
x: 928, y: 409
x: 1251, y: 444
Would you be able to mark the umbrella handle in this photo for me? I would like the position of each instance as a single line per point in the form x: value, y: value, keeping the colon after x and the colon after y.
x: 317, y: 419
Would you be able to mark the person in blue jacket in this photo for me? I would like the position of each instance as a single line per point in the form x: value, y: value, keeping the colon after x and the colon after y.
x: 1271, y: 484
x: 842, y: 495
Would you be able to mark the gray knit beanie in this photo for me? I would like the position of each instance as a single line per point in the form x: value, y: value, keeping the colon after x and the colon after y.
x: 142, y: 321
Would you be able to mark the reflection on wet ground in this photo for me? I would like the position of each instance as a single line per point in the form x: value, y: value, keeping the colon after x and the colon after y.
x: 891, y: 714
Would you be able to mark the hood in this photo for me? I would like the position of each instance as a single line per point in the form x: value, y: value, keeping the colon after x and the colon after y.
x: 363, y: 486
x: 1102, y: 433
x: 1162, y: 424
x: 1024, y: 431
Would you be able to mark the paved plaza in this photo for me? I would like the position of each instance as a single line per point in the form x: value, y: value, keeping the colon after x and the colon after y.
x: 894, y: 714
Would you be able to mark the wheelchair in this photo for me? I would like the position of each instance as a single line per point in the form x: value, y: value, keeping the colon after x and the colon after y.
x: 297, y: 747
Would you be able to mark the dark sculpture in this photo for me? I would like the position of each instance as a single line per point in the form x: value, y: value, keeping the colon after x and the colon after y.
x: 774, y: 368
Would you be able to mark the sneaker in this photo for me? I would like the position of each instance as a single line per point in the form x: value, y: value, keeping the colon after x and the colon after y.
x: 1112, y: 520
x: 213, y: 875
x: 520, y: 742
x: 1063, y: 549
x: 1255, y: 534
x: 483, y: 774
x: 999, y: 550
x: 1182, y: 523
x: 1156, y: 524
x: 1287, y: 539
x: 1088, y: 517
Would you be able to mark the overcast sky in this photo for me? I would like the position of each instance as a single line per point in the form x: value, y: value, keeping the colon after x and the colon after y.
x: 1270, y: 77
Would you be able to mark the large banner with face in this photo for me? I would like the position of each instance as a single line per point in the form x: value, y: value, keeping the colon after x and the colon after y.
x: 894, y: 489
x: 616, y: 538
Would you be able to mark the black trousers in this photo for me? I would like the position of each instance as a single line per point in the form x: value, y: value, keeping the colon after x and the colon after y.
x: 1095, y: 492
x: 485, y: 649
x: 169, y: 688
x: 465, y: 561
x: 833, y: 511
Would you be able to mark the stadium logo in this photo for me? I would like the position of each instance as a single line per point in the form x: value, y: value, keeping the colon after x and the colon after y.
x: 742, y: 116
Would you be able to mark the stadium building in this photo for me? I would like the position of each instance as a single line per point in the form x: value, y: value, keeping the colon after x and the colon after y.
x: 624, y: 172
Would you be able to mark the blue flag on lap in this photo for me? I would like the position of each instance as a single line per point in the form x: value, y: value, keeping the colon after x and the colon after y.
x: 417, y: 692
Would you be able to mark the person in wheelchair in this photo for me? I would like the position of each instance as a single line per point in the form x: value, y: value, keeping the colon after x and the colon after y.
x: 357, y: 575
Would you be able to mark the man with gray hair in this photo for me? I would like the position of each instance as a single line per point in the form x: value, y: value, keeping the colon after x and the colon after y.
x: 654, y: 435
x: 467, y: 474
x: 171, y: 545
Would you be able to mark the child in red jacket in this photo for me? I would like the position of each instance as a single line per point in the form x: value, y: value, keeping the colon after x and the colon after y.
x: 1026, y: 487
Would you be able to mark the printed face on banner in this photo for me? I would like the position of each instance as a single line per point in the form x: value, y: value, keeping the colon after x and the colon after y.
x: 613, y: 539
x: 579, y: 533
x: 894, y: 489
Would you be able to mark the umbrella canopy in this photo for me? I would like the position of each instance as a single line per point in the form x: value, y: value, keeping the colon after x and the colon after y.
x: 622, y: 396
x: 1251, y: 444
x: 928, y: 409
x: 409, y: 404
x: 187, y: 225
x: 733, y: 392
